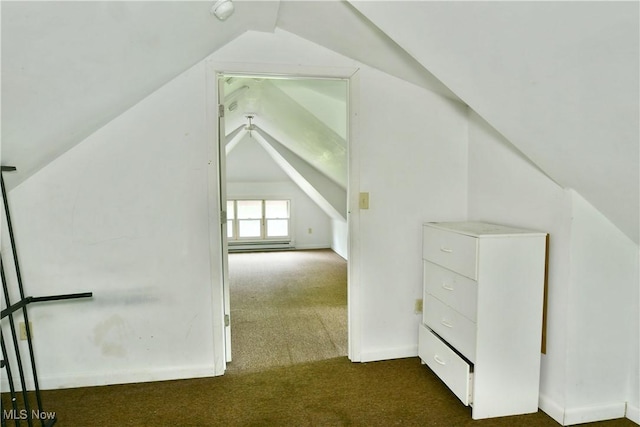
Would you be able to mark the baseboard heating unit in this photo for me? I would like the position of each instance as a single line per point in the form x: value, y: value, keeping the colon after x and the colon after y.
x: 260, y: 246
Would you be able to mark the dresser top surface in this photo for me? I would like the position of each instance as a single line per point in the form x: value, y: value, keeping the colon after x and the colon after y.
x: 483, y: 229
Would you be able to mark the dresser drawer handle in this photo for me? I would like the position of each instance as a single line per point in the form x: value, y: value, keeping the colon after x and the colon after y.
x: 445, y: 249
x: 447, y: 286
x: 438, y: 360
x: 445, y: 323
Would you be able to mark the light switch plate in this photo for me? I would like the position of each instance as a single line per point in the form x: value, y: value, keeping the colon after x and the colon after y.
x: 364, y: 201
x: 418, y: 306
x: 23, y: 330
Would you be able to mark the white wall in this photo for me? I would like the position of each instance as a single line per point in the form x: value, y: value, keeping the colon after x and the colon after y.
x: 124, y: 215
x: 251, y: 173
x: 603, y: 317
x: 249, y: 162
x: 340, y: 238
x: 412, y: 154
x: 593, y: 280
x: 505, y: 188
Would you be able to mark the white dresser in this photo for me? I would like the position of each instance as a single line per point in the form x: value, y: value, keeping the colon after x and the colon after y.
x: 482, y: 318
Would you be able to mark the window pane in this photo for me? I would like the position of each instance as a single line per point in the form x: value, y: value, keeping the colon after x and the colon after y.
x: 277, y: 227
x: 230, y: 229
x: 249, y: 228
x: 249, y: 209
x: 276, y: 208
x: 230, y: 210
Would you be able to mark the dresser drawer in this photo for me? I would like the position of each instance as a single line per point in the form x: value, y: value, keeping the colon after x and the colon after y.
x: 457, y: 291
x: 452, y: 326
x: 451, y: 368
x: 457, y: 252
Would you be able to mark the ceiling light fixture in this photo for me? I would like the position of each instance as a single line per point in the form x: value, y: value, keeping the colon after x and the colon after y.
x: 223, y: 9
x: 250, y: 126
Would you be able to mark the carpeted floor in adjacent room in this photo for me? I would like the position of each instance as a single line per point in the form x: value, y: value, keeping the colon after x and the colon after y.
x: 287, y: 308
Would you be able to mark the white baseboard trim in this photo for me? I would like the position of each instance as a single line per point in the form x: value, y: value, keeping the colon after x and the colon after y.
x: 571, y: 416
x: 592, y: 414
x: 388, y: 354
x: 633, y: 413
x: 320, y: 246
x: 52, y: 382
x: 551, y: 408
x: 341, y: 255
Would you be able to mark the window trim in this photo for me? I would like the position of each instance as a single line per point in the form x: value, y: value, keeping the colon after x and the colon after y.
x: 234, y: 222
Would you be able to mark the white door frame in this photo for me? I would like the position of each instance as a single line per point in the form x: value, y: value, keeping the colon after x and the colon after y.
x: 222, y: 188
x: 217, y: 189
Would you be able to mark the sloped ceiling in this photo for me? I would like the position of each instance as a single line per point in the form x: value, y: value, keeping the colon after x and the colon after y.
x: 329, y: 196
x: 338, y: 26
x: 259, y: 156
x: 310, y: 118
x: 558, y: 79
x: 68, y: 68
x: 297, y: 128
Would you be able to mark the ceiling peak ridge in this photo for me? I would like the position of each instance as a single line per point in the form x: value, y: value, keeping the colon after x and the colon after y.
x: 269, y: 137
x: 366, y: 42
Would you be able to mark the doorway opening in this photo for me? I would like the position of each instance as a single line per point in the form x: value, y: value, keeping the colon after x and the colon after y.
x: 284, y: 168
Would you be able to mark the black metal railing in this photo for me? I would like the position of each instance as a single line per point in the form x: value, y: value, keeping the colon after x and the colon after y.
x: 22, y: 411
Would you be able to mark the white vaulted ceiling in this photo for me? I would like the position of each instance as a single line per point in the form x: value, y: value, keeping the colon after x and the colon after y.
x: 298, y: 114
x: 558, y: 79
x: 300, y: 125
x: 68, y: 68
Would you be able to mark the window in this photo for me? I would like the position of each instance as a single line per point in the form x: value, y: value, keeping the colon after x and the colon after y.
x: 258, y: 220
x: 276, y: 214
x: 249, y: 222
